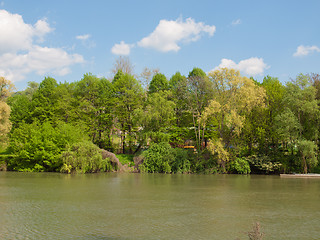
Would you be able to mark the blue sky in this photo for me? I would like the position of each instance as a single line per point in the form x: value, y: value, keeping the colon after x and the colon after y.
x: 66, y: 39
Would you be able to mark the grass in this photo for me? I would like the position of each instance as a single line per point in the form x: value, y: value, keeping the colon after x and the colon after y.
x: 126, y: 159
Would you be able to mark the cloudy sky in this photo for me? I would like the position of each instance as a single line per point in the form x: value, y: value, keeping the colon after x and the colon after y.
x: 66, y: 39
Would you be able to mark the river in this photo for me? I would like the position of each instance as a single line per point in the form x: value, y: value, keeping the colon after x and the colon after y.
x: 156, y: 206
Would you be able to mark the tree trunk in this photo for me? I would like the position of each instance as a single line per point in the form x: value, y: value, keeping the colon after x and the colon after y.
x: 305, y: 167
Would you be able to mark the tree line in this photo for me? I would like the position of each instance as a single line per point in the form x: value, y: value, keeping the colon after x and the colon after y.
x: 216, y: 122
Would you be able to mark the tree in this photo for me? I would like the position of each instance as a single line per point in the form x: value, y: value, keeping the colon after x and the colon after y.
x: 31, y: 89
x: 6, y: 88
x: 86, y: 95
x: 146, y: 75
x: 128, y: 96
x: 44, y: 100
x: 158, y: 83
x: 93, y: 106
x: 124, y: 64
x: 199, y: 94
x: 315, y: 80
x: 298, y: 124
x: 233, y: 97
x: 275, y: 92
x: 258, y: 135
x: 156, y: 118
x: 181, y: 131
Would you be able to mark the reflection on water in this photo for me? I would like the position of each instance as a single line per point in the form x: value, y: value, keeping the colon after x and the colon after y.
x: 156, y: 206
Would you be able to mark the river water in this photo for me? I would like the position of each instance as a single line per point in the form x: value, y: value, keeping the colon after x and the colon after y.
x: 156, y: 206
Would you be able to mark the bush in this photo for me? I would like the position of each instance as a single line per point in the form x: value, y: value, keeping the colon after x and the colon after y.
x: 263, y: 163
x: 240, y: 165
x: 161, y: 158
x: 181, y: 163
x: 84, y: 157
x: 37, y: 147
x: 158, y: 158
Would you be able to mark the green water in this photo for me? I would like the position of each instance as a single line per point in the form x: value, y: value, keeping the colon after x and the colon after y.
x: 156, y: 206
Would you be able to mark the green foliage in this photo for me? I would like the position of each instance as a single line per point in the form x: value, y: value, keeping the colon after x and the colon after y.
x: 156, y: 117
x: 84, y: 157
x: 158, y: 83
x: 308, y: 150
x: 158, y: 158
x: 128, y: 95
x: 275, y: 125
x: 176, y: 80
x: 240, y: 165
x: 197, y: 72
x: 181, y: 163
x: 37, y: 147
x: 161, y: 158
x: 263, y: 163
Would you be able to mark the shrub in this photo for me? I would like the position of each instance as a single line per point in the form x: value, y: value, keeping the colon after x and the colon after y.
x: 158, y: 158
x: 37, y: 147
x: 263, y: 163
x: 181, y: 163
x: 161, y: 158
x: 84, y: 157
x: 240, y: 165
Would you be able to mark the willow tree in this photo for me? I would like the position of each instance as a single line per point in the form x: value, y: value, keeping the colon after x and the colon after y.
x: 234, y: 96
x: 6, y: 88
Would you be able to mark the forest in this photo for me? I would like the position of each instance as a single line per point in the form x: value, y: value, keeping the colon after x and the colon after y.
x: 216, y: 122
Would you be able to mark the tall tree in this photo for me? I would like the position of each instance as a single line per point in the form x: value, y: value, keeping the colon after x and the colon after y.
x: 89, y: 109
x: 200, y: 92
x: 44, y: 100
x: 258, y: 135
x: 234, y: 96
x: 128, y: 96
x: 298, y: 124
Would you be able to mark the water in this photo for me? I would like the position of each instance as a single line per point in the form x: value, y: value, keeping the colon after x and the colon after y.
x: 156, y: 206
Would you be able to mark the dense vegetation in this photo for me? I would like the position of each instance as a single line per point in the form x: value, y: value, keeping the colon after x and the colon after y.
x: 215, y: 122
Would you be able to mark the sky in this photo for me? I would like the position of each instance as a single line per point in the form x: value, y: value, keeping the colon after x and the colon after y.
x: 66, y: 39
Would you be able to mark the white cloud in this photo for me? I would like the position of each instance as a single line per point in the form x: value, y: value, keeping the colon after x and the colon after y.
x: 168, y: 34
x: 86, y: 41
x: 15, y: 34
x: 251, y: 66
x: 236, y: 22
x: 41, y: 60
x: 19, y: 55
x: 305, y: 50
x: 83, y: 37
x: 122, y: 48
x: 41, y: 28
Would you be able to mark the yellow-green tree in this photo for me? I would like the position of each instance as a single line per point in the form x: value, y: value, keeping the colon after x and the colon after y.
x: 6, y: 88
x: 233, y: 97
